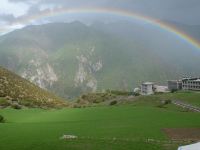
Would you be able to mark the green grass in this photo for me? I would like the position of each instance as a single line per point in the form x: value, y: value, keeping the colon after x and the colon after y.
x: 188, y: 97
x: 96, y: 127
x: 192, y: 98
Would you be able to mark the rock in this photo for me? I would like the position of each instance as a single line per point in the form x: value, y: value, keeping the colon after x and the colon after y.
x: 68, y: 137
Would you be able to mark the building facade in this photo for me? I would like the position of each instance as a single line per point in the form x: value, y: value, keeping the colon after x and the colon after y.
x: 191, y: 84
x: 147, y: 88
x: 161, y: 89
x: 174, y: 85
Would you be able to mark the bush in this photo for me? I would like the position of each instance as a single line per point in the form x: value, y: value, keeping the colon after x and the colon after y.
x: 4, y: 103
x: 84, y: 96
x: 113, y: 103
x: 2, y: 119
x: 120, y: 93
x: 16, y: 106
x: 136, y: 94
x: 158, y: 93
x: 166, y: 102
x: 161, y: 106
x: 174, y: 90
x: 97, y: 100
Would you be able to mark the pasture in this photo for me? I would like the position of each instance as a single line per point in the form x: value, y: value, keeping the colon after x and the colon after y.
x: 124, y: 127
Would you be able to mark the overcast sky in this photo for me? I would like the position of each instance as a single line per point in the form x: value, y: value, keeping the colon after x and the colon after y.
x: 13, y: 11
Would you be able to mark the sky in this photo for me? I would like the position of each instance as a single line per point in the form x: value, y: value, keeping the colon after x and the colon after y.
x: 13, y: 12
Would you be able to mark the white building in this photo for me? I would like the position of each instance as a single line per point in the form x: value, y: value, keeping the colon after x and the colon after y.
x: 191, y: 84
x: 190, y: 147
x: 161, y: 89
x: 147, y: 88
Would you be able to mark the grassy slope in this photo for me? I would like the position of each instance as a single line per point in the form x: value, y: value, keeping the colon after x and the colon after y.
x: 192, y: 98
x: 24, y: 92
x: 188, y: 97
x: 40, y: 129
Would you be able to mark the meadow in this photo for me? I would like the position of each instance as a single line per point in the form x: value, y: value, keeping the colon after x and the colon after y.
x: 124, y: 127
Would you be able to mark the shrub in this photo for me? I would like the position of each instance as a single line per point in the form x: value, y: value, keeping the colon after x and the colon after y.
x: 161, y: 106
x: 4, y: 103
x: 174, y: 90
x: 136, y: 94
x: 16, y: 106
x: 76, y: 106
x: 122, y: 93
x: 84, y: 96
x: 158, y: 93
x: 2, y: 119
x: 113, y: 103
x: 166, y: 102
x: 97, y: 100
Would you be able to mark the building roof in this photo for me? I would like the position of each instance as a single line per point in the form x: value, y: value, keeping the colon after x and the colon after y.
x: 148, y: 83
x: 174, y: 80
x: 191, y: 79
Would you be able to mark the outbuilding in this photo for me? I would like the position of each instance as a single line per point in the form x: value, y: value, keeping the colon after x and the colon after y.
x: 147, y: 88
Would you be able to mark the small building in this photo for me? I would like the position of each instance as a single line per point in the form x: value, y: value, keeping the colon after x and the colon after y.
x: 174, y: 85
x: 147, y: 88
x: 161, y: 89
x: 191, y: 84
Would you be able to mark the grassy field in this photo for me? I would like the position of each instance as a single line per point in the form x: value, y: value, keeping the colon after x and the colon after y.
x: 192, y: 98
x: 98, y: 128
x: 188, y: 97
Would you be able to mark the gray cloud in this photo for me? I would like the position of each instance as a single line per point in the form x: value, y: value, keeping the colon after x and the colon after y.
x: 185, y: 11
x: 182, y: 11
x: 7, y: 17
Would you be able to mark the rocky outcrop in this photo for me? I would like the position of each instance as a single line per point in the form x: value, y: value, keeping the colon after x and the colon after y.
x: 87, y: 68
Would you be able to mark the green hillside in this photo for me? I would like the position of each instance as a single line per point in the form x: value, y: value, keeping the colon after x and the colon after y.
x: 71, y: 58
x: 16, y: 92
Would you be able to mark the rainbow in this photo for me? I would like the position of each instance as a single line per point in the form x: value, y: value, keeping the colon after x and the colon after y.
x: 113, y: 11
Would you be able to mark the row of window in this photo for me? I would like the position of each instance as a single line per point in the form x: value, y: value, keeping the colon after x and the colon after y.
x: 197, y: 83
x: 191, y: 87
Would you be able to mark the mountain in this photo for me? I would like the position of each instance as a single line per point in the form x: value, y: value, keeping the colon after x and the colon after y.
x: 16, y: 90
x: 73, y: 58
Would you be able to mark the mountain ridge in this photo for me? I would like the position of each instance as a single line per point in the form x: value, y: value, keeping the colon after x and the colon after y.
x: 72, y: 58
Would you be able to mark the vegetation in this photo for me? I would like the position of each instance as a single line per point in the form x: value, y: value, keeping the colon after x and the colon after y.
x: 94, y: 98
x: 2, y: 119
x: 113, y: 102
x: 16, y: 106
x: 119, y: 92
x: 16, y: 91
x: 137, y: 126
x: 4, y: 102
x: 185, y: 96
x: 174, y: 90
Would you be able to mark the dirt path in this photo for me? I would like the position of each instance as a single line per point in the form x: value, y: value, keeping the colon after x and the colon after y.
x: 183, y: 133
